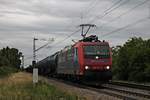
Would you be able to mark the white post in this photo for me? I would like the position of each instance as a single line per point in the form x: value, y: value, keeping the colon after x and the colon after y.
x: 35, y: 70
x: 35, y: 75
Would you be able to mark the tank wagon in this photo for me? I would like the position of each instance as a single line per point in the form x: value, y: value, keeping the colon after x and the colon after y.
x: 47, y: 66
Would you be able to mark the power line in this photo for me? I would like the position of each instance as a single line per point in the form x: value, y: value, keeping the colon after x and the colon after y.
x: 126, y: 1
x: 112, y: 5
x: 71, y: 23
x: 70, y: 34
x: 44, y: 45
x: 66, y: 38
x: 127, y: 12
x: 108, y: 8
x: 129, y: 25
x: 82, y: 15
x: 55, y: 43
x: 106, y: 13
x: 93, y: 3
x: 91, y: 6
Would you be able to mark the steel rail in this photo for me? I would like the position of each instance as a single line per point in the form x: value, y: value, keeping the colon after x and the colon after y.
x: 106, y: 91
x: 127, y: 91
x: 132, y: 85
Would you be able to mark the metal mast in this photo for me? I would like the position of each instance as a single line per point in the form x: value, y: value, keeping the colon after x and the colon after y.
x: 34, y: 52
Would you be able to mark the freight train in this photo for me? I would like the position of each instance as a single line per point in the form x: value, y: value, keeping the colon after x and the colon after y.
x: 88, y: 59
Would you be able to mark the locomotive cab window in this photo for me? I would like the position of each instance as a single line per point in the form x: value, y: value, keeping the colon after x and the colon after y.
x: 96, y: 50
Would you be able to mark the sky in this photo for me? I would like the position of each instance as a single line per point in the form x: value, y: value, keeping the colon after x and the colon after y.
x: 116, y: 21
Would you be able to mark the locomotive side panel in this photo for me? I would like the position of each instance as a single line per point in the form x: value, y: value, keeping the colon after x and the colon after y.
x: 68, y: 61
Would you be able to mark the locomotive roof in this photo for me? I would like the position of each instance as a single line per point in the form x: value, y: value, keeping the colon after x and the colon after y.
x: 90, y: 40
x: 84, y: 43
x: 91, y: 43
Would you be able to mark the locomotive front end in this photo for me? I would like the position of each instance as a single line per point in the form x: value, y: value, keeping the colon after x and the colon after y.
x: 97, y: 61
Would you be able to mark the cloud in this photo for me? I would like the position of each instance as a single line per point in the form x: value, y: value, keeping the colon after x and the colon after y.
x: 21, y: 20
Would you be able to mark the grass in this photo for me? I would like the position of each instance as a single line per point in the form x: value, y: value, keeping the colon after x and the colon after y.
x: 20, y: 87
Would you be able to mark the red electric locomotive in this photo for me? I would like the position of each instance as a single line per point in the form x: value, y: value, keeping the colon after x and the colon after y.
x: 88, y: 59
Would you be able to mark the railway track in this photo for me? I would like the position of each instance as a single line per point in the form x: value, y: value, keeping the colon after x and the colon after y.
x: 132, y: 85
x: 122, y: 92
x: 134, y: 93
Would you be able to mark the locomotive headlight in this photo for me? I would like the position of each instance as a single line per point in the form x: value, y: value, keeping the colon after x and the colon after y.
x: 86, y: 67
x: 96, y: 57
x: 107, y: 67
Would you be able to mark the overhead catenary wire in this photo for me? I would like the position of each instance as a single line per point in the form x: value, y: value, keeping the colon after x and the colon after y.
x: 67, y: 37
x: 88, y: 9
x: 125, y: 13
x: 92, y: 3
x: 114, y: 4
x: 84, y: 14
x: 79, y: 30
x: 109, y: 11
x: 122, y: 28
x: 42, y: 46
x: 126, y: 1
x: 61, y: 41
x: 70, y: 25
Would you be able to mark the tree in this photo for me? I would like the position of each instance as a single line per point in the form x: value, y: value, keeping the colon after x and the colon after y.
x: 10, y: 57
x: 132, y: 60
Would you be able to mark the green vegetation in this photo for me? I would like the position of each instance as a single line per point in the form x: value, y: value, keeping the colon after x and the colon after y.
x: 5, y: 71
x: 9, y: 61
x: 131, y: 62
x: 28, y: 91
x: 19, y: 86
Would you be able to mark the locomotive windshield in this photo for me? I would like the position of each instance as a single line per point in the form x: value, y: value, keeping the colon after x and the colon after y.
x: 102, y: 51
